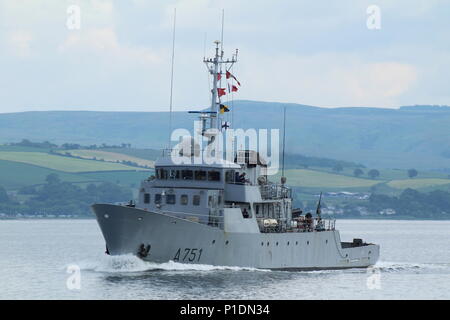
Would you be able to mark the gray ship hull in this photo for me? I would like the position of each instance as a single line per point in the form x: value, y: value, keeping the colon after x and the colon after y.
x: 167, y: 238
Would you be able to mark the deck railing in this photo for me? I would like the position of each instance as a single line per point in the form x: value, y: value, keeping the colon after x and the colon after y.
x: 275, y: 191
x: 268, y: 225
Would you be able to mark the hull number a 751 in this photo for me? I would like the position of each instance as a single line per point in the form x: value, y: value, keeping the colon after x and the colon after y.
x: 188, y: 255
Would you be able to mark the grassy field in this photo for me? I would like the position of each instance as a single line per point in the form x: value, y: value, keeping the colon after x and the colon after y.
x: 108, y: 156
x: 324, y: 180
x: 14, y: 175
x: 129, y: 178
x: 319, y: 179
x: 61, y: 163
x: 22, y: 166
x: 147, y: 154
x: 22, y: 149
x: 417, y: 183
x: 385, y: 174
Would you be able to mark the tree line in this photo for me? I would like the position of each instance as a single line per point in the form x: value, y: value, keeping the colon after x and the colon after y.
x: 372, y: 173
x: 56, y: 197
x: 66, y: 146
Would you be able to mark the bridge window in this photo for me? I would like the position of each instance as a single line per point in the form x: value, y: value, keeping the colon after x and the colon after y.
x: 196, y: 200
x: 213, y: 175
x: 146, y: 198
x: 161, y: 174
x: 186, y: 174
x: 200, y: 175
x: 157, y: 198
x: 170, y: 199
x: 184, y: 199
x: 174, y: 174
x: 256, y: 208
x: 229, y: 176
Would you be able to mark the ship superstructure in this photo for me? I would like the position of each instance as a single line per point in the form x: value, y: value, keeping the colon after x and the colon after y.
x: 224, y: 213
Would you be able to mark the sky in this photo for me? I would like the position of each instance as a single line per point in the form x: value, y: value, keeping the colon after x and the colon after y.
x: 319, y: 53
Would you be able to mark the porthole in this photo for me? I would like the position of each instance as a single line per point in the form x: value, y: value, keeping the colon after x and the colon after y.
x: 296, y: 243
x: 288, y: 243
x: 262, y: 243
x: 307, y: 242
x: 326, y: 241
x: 214, y: 241
x: 276, y: 243
x: 140, y: 218
x: 226, y: 242
x: 267, y: 243
x: 106, y: 216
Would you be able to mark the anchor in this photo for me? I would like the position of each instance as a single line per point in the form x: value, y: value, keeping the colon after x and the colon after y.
x: 143, y: 250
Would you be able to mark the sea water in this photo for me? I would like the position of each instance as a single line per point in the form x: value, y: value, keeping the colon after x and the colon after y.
x: 64, y: 259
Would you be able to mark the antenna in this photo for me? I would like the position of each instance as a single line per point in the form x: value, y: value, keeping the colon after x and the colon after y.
x: 171, y: 77
x: 214, y: 67
x: 221, y: 37
x: 284, y: 139
x: 318, y: 210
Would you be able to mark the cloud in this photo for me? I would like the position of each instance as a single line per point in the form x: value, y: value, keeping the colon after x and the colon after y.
x: 331, y: 79
x: 104, y: 43
x: 19, y: 43
x: 290, y: 51
x: 371, y: 84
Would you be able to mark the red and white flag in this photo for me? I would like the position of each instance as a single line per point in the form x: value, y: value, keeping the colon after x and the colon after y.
x: 221, y: 92
x: 229, y: 75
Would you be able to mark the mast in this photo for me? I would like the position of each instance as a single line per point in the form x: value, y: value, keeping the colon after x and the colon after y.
x: 284, y: 138
x: 214, y: 71
x: 214, y: 68
x: 171, y: 75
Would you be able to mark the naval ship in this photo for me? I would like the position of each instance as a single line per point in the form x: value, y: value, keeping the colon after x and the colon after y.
x: 225, y: 213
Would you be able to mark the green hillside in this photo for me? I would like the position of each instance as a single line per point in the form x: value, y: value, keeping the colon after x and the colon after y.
x: 107, y: 156
x: 126, y: 178
x: 45, y: 183
x: 319, y: 179
x: 23, y: 166
x: 418, y: 183
x: 402, y: 138
x: 14, y: 175
x: 28, y: 166
x: 61, y: 163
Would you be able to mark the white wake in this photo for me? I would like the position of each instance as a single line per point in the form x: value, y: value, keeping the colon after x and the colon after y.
x: 131, y: 263
x: 386, y: 266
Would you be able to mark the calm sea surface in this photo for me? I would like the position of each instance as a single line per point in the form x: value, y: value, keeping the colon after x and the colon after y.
x: 35, y: 256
